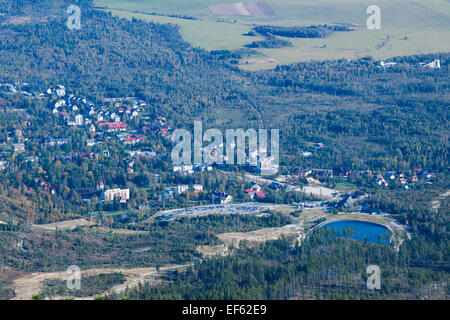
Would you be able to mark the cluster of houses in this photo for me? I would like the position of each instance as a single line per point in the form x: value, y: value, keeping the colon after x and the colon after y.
x: 216, y: 197
x: 313, y: 176
x: 79, y: 111
x: 16, y: 87
x: 44, y: 185
x: 191, y: 169
x: 402, y: 177
x: 109, y: 117
x: 100, y: 119
x: 169, y: 192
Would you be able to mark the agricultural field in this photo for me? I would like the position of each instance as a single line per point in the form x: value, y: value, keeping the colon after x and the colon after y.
x: 407, y: 27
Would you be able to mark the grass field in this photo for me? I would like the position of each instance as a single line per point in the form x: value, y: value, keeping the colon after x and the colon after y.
x: 345, y: 186
x: 425, y: 24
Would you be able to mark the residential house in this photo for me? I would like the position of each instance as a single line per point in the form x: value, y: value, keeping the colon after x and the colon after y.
x: 133, y: 139
x: 221, y: 198
x: 3, y: 165
x: 113, y: 126
x: 79, y: 120
x: 19, y: 147
x: 255, y: 191
x: 275, y: 186
x: 182, y: 188
x: 311, y: 180
x: 353, y: 199
x: 56, y: 142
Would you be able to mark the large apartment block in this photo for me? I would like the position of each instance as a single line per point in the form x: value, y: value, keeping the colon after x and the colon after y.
x: 123, y: 195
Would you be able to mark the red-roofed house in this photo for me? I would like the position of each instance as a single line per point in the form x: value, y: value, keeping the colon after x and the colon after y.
x: 133, y: 139
x: 113, y: 126
x: 255, y: 191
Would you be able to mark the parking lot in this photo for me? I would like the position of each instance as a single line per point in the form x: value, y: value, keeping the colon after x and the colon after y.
x: 244, y: 208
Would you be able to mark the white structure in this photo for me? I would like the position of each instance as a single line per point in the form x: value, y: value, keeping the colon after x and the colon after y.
x: 61, y: 91
x: 182, y: 188
x: 189, y: 169
x: 222, y: 198
x: 436, y: 64
x: 267, y: 167
x: 3, y: 165
x: 19, y: 147
x: 197, y: 187
x: 60, y: 103
x: 79, y: 120
x: 387, y: 64
x: 123, y: 195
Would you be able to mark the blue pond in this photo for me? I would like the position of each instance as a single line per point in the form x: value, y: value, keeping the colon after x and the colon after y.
x: 360, y: 230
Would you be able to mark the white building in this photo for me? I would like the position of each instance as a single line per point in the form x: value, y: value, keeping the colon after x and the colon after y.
x: 182, y: 188
x: 61, y: 91
x: 3, y: 165
x: 123, y: 195
x: 60, y: 103
x: 185, y: 169
x: 221, y: 198
x: 197, y: 187
x: 268, y: 167
x: 79, y: 120
x: 387, y: 64
x: 436, y: 64
x: 19, y: 147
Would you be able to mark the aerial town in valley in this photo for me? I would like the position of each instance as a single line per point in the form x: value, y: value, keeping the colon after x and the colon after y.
x: 121, y: 129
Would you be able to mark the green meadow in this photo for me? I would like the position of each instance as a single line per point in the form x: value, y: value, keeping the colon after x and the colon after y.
x: 407, y: 27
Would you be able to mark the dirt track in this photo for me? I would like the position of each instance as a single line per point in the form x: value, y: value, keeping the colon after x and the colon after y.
x: 32, y: 284
x: 253, y: 238
x: 436, y: 204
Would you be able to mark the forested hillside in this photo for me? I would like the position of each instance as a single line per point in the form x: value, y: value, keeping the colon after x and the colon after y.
x: 111, y: 57
x: 322, y: 268
x: 388, y: 114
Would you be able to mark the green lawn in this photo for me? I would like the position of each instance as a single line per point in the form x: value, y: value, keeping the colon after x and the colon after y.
x: 206, y: 34
x: 345, y: 186
x: 426, y: 24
